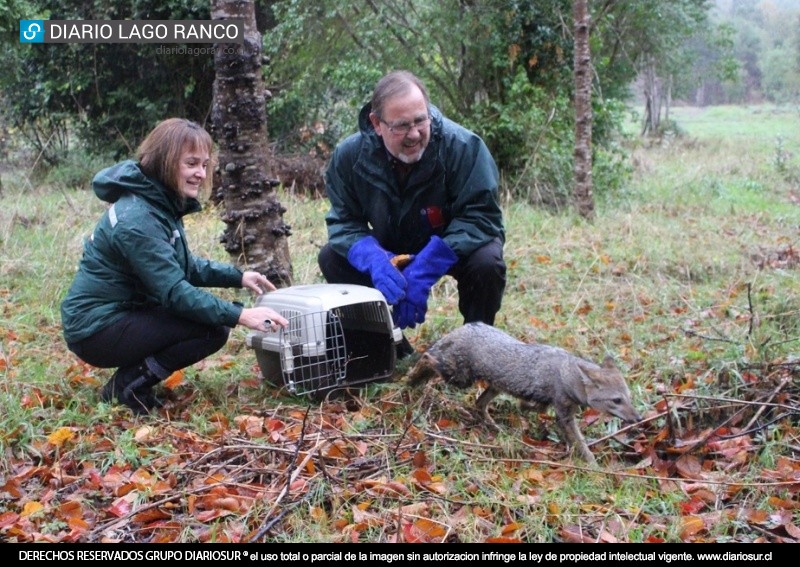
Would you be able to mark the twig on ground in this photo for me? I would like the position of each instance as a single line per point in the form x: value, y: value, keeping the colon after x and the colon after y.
x: 627, y: 427
x: 691, y: 333
x: 769, y: 398
x: 734, y: 401
x: 290, y: 478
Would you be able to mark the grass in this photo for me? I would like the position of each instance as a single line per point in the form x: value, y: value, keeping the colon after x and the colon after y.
x: 669, y: 279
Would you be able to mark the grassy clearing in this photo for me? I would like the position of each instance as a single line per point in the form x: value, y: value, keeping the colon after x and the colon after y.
x: 688, y: 277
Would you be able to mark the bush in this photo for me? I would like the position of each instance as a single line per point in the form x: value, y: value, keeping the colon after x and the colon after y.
x: 77, y: 169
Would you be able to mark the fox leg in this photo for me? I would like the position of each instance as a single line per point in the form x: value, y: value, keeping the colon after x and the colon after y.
x: 573, y: 436
x: 483, y: 405
x: 527, y: 405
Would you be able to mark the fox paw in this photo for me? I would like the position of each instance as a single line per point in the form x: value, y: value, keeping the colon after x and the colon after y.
x: 483, y: 418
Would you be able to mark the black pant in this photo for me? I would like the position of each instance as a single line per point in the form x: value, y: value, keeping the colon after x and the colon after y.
x: 173, y: 342
x: 481, y: 279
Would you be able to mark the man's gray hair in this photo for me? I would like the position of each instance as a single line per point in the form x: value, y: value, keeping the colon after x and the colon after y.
x: 394, y: 84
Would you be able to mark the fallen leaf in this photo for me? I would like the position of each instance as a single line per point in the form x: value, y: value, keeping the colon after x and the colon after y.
x: 430, y: 528
x: 361, y: 447
x: 208, y: 515
x: 776, y: 502
x: 121, y: 507
x: 364, y: 519
x: 756, y: 516
x: 793, y: 531
x: 574, y: 534
x: 31, y: 508
x: 693, y: 506
x: 174, y: 380
x: 60, y: 436
x: 688, y: 466
x: 421, y: 475
x: 143, y: 434
x: 607, y: 537
x: 78, y: 525
x: 8, y: 519
x: 70, y: 509
x: 390, y: 487
x: 510, y: 528
x: 691, y: 525
x: 150, y: 515
x: 318, y: 514
x: 250, y: 424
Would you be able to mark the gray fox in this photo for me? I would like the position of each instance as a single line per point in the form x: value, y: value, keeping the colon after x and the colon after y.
x: 539, y: 375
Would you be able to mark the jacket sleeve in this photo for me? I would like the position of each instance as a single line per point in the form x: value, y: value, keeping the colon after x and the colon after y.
x: 346, y: 218
x: 472, y: 186
x: 146, y: 245
x: 209, y: 273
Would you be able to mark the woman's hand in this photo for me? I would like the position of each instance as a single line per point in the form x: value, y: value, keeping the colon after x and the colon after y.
x: 262, y: 319
x: 257, y: 282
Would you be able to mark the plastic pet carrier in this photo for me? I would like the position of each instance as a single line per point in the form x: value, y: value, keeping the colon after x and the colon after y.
x: 339, y: 335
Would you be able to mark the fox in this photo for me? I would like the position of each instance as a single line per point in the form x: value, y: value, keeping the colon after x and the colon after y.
x: 538, y: 375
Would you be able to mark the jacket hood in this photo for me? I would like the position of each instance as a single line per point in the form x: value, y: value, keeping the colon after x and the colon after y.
x: 126, y: 177
x: 368, y: 131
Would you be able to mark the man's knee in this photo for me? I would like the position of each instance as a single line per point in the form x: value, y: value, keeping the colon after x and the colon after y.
x: 325, y: 259
x: 487, y: 262
x: 336, y: 269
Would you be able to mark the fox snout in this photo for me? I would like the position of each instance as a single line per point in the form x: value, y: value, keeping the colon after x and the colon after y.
x: 615, y: 401
x: 622, y: 408
x: 633, y: 417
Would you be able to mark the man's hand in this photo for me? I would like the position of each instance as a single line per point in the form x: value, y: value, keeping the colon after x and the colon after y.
x: 432, y: 262
x: 368, y: 257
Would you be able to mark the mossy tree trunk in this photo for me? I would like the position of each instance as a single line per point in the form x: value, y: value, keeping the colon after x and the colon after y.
x: 256, y: 235
x: 582, y: 191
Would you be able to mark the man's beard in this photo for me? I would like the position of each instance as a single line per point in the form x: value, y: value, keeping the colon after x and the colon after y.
x: 407, y: 159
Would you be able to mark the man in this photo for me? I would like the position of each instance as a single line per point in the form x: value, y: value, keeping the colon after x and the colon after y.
x: 413, y: 182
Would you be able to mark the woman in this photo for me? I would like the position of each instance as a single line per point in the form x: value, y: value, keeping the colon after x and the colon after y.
x: 136, y: 302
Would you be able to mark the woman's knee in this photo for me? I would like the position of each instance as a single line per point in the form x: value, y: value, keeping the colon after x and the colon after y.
x: 218, y: 336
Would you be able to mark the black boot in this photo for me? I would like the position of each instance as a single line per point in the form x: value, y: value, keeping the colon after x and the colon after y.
x: 403, y: 349
x: 138, y: 395
x: 119, y: 381
x: 132, y: 386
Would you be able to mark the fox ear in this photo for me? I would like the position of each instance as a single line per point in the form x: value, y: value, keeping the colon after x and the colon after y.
x: 587, y: 375
x: 608, y: 362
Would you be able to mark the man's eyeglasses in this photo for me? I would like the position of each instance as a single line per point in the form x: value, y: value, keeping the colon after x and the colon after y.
x: 403, y: 128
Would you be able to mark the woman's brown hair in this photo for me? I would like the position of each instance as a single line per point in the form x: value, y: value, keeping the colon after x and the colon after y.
x: 160, y: 152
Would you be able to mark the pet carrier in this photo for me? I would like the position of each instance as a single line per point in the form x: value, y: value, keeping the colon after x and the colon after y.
x: 339, y: 335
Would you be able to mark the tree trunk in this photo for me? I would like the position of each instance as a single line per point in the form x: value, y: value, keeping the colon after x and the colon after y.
x: 582, y: 192
x: 652, y: 96
x: 668, y: 100
x: 255, y: 236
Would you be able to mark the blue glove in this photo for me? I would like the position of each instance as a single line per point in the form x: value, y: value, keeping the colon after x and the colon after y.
x: 432, y: 262
x: 368, y: 257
